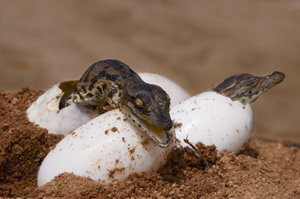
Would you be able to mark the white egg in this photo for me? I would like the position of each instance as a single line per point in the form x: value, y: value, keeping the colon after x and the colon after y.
x: 212, y: 118
x: 45, y: 112
x: 106, y: 148
x: 175, y: 92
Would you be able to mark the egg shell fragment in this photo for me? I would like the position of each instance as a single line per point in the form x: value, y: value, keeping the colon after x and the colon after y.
x: 176, y: 92
x: 106, y: 148
x: 45, y: 112
x: 212, y: 118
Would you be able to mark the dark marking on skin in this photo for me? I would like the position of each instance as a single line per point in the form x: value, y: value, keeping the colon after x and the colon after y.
x: 125, y: 77
x: 139, y: 126
x: 91, y: 87
x: 115, y: 77
x: 120, y: 87
x: 111, y: 93
x: 106, y: 67
x: 99, y: 89
x: 101, y: 74
x: 112, y: 77
x: 104, y: 86
x: 83, y: 88
x: 108, y: 76
x: 90, y: 95
x: 80, y: 96
x: 88, y: 74
x: 94, y: 80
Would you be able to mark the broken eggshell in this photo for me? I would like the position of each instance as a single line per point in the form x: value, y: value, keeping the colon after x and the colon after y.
x: 106, y: 148
x: 45, y: 110
x: 212, y: 118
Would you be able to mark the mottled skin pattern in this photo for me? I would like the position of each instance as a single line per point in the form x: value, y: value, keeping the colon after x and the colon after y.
x: 111, y: 84
x: 246, y: 88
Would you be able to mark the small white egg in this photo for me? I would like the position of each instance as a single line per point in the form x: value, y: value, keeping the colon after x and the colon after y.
x: 176, y: 92
x: 45, y: 112
x: 106, y: 148
x: 212, y: 118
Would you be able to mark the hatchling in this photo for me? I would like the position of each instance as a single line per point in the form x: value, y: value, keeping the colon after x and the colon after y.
x: 111, y: 84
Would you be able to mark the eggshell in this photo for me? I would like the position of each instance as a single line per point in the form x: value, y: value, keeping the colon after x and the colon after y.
x: 212, y: 118
x: 106, y: 148
x: 45, y: 112
x: 176, y: 92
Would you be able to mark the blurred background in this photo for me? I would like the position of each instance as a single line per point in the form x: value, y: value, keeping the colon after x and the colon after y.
x: 194, y: 43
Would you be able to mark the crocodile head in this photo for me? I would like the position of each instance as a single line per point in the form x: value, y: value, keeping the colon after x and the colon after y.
x: 246, y: 88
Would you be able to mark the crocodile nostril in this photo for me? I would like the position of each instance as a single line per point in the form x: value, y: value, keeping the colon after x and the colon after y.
x: 167, y: 123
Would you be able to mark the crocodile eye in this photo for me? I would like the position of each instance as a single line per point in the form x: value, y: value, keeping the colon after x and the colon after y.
x: 138, y: 102
x: 142, y: 101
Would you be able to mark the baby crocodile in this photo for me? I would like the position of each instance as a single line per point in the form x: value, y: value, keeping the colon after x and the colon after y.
x: 246, y: 88
x: 111, y: 84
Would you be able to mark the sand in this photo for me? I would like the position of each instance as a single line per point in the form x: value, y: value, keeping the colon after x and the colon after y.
x: 263, y: 169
